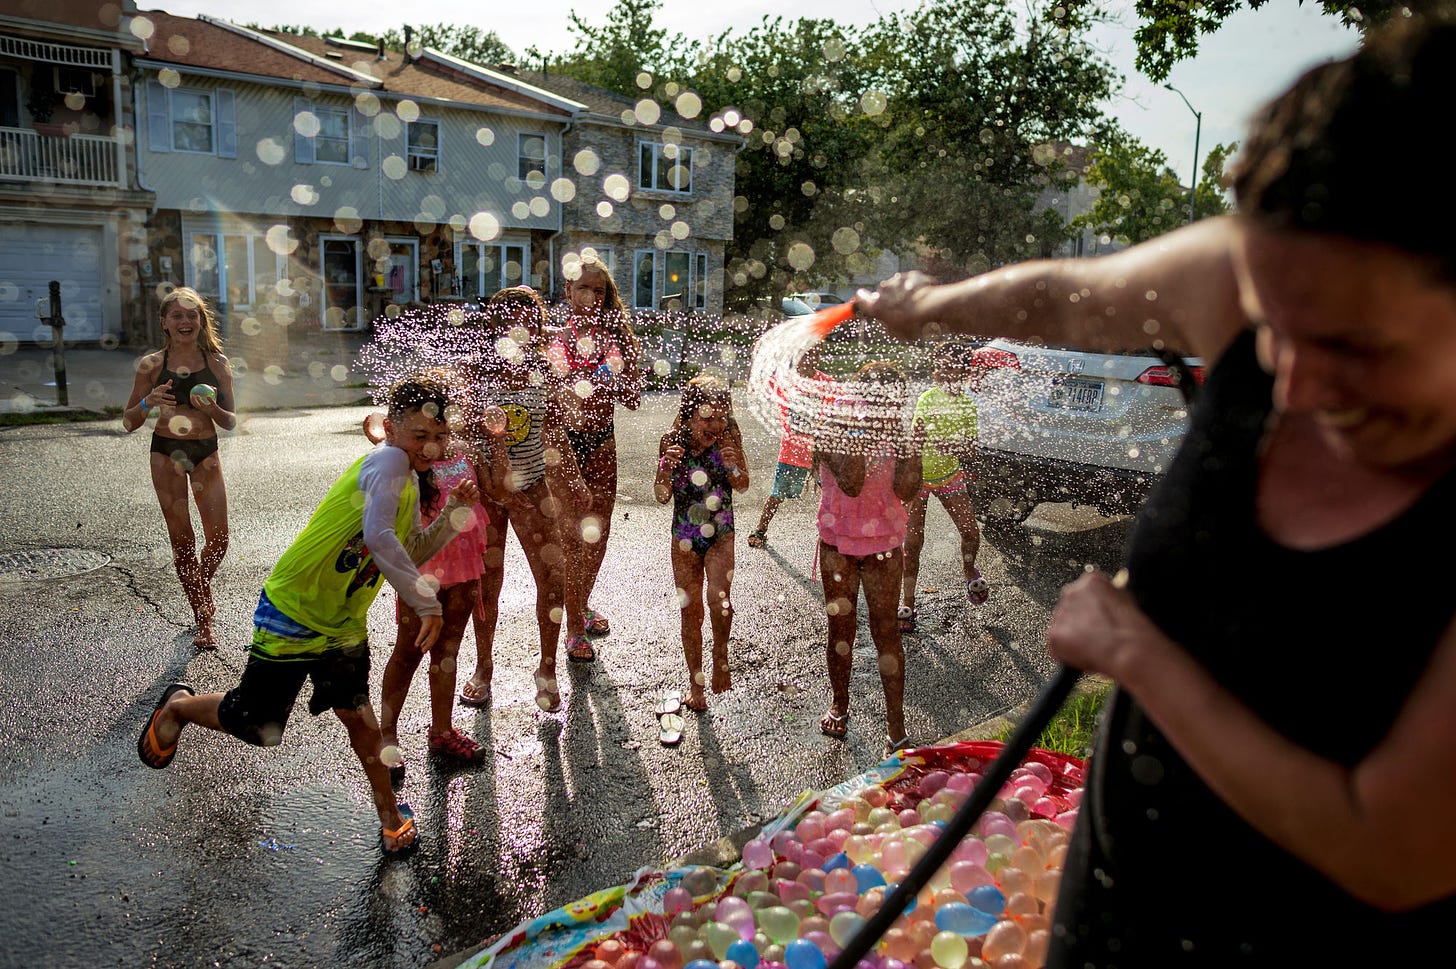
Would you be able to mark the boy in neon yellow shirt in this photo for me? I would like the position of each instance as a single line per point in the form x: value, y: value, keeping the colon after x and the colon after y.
x: 312, y: 617
x: 947, y: 415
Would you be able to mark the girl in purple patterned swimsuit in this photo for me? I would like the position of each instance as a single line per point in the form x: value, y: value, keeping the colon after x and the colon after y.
x: 700, y: 465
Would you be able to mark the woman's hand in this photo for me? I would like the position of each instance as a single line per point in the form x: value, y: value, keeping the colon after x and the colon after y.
x: 430, y: 627
x: 1096, y: 627
x: 897, y: 304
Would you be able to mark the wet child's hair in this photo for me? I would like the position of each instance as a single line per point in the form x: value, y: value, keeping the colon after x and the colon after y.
x: 207, y: 338
x: 427, y: 392
x: 703, y: 390
x: 953, y: 355
x: 517, y: 305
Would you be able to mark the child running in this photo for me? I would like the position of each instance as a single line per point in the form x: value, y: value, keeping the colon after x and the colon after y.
x: 455, y: 571
x: 595, y: 362
x: 312, y: 616
x: 190, y: 386
x: 947, y: 415
x: 700, y: 464
x: 865, y: 477
x: 512, y: 375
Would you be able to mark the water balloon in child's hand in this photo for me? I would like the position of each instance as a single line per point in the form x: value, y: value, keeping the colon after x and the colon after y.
x: 494, y: 420
x: 374, y: 427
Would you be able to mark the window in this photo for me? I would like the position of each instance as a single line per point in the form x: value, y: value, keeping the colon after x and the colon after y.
x: 424, y: 146
x: 644, y: 279
x: 675, y: 266
x: 488, y: 267
x: 236, y: 270
x: 700, y: 281
x: 531, y: 158
x: 191, y: 121
x: 331, y: 144
x: 665, y: 168
x: 198, y: 121
x: 78, y: 80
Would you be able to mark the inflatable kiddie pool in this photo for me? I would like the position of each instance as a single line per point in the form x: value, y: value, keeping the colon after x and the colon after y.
x: 812, y: 876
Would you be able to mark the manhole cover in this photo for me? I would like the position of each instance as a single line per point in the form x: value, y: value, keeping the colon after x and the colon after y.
x: 49, y: 563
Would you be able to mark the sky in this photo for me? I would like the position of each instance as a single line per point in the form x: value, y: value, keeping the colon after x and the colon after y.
x: 1252, y: 58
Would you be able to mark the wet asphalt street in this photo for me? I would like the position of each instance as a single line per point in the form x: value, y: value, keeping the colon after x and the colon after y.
x: 237, y: 856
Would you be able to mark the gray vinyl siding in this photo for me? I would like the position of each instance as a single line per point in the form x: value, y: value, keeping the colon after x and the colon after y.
x: 266, y: 177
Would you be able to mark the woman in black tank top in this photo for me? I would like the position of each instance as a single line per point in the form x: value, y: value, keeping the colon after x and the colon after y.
x: 189, y: 387
x: 1275, y: 784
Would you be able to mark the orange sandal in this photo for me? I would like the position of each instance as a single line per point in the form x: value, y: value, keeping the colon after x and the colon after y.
x: 148, y: 749
x: 399, y: 833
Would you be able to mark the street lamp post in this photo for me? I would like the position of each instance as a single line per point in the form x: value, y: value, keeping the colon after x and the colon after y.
x: 1197, y: 132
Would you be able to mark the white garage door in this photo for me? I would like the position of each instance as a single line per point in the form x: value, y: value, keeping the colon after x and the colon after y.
x: 30, y: 257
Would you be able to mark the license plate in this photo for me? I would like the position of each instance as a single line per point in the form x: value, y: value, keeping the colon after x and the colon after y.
x: 1075, y: 393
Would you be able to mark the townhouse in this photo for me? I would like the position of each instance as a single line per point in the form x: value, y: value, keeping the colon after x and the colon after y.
x: 71, y: 210
x: 312, y: 184
x: 659, y: 211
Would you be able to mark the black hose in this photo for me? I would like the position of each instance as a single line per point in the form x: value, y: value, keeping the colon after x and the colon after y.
x: 1052, y: 696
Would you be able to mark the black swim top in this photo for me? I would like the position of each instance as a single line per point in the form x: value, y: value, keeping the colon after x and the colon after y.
x: 182, y: 384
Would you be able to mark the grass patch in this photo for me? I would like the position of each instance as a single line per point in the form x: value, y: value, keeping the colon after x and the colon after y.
x: 1073, y: 728
x: 75, y: 415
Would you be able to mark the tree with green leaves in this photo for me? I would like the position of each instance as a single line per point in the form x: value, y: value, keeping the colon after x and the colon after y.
x: 1139, y: 195
x: 615, y: 54
x: 979, y: 99
x: 1169, y: 30
x: 793, y: 89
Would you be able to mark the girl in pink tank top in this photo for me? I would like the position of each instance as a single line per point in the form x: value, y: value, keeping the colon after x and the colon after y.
x: 869, y: 466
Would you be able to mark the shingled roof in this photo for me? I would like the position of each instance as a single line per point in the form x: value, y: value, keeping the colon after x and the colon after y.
x: 189, y: 42
x: 425, y: 76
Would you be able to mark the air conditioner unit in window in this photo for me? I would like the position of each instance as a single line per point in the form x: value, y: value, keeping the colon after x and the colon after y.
x: 77, y: 80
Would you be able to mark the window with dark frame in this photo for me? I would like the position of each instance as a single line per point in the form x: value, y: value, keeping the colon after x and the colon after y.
x: 192, y: 121
x: 424, y: 146
x: 531, y: 156
x: 331, y: 144
x: 644, y: 279
x: 665, y: 167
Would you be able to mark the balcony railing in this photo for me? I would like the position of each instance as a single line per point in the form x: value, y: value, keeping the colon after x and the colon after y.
x: 29, y: 156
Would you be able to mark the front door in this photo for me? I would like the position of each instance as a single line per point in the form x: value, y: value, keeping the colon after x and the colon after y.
x: 341, y: 284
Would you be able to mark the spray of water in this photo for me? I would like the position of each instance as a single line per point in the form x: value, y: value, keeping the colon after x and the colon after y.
x: 856, y: 416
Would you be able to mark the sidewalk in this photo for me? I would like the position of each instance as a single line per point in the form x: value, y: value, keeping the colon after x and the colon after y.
x: 317, y: 371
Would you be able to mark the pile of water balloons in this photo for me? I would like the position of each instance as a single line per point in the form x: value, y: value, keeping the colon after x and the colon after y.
x: 807, y: 887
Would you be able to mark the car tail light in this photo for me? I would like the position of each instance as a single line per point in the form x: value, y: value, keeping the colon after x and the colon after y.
x: 1163, y: 376
x: 992, y: 358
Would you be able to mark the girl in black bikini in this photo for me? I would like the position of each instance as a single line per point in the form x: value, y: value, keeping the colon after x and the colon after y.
x: 190, y: 387
x: 594, y: 362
